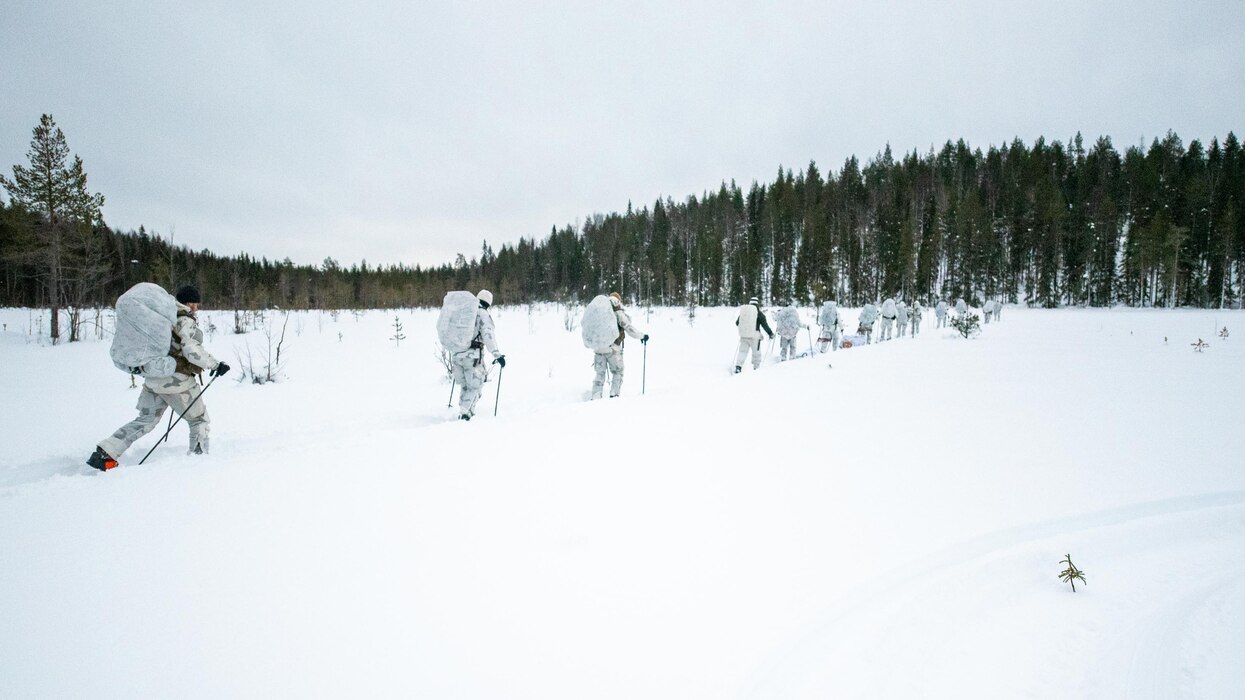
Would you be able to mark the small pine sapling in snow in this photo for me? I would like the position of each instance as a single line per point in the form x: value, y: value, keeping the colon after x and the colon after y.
x: 1199, y: 346
x: 397, y: 336
x: 1224, y: 333
x: 968, y: 325
x: 1071, y: 574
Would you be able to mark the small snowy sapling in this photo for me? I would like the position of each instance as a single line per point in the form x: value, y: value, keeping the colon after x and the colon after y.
x: 1199, y: 346
x: 397, y: 336
x: 1071, y: 574
x: 968, y: 325
x: 1223, y: 334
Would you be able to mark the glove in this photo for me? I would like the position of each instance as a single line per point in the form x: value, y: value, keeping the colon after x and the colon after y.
x: 501, y: 360
x: 644, y: 339
x: 771, y: 336
x: 219, y: 370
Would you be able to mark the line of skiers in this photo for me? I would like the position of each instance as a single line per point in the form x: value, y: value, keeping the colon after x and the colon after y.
x: 466, y: 330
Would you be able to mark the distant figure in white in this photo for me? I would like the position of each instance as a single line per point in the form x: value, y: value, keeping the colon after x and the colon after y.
x: 612, y: 359
x: 961, y: 309
x: 987, y: 310
x: 901, y: 317
x: 469, y: 367
x: 868, y: 316
x: 828, y: 319
x: 998, y: 309
x: 789, y: 325
x: 750, y: 322
x: 940, y: 313
x: 915, y: 317
x: 888, y: 319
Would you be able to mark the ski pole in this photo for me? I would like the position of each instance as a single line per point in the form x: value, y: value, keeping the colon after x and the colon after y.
x: 497, y: 398
x: 810, y: 341
x: 166, y: 432
x: 179, y: 419
x: 449, y: 403
x: 644, y: 369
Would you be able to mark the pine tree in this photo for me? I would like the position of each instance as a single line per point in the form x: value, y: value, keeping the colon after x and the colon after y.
x: 57, y: 193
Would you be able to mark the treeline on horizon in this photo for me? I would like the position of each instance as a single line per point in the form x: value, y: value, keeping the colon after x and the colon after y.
x: 1044, y: 225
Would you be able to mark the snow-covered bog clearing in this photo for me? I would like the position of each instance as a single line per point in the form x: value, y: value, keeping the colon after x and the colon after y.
x: 888, y: 527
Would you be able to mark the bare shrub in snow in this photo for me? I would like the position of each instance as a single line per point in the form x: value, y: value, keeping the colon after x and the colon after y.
x: 1199, y: 346
x: 264, y: 365
x: 443, y: 356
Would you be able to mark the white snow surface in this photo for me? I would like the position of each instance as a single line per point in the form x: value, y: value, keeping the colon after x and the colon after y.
x: 889, y: 527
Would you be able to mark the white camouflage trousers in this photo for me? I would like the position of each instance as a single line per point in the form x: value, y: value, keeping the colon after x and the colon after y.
x: 612, y: 361
x: 786, y: 348
x: 942, y: 321
x: 747, y: 345
x: 884, y: 333
x: 469, y: 372
x: 150, y: 410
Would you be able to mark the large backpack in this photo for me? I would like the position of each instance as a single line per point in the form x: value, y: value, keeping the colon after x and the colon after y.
x: 748, y: 321
x: 456, y: 326
x: 829, y: 317
x: 788, y: 322
x: 599, y: 326
x: 145, y: 317
x: 888, y: 308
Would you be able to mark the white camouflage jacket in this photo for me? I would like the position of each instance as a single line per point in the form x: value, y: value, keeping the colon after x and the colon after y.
x: 187, y: 341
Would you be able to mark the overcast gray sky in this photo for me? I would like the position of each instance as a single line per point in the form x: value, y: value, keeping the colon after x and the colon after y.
x: 410, y: 131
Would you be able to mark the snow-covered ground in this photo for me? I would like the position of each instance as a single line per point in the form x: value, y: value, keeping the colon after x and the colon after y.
x: 889, y: 527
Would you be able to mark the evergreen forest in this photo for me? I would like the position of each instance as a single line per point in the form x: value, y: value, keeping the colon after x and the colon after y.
x: 1048, y: 224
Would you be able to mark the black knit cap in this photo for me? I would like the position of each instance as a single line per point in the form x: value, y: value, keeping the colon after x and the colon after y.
x: 188, y: 295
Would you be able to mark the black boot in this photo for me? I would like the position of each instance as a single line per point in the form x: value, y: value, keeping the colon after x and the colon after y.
x: 100, y: 460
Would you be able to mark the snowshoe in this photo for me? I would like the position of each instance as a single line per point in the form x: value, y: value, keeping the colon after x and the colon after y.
x: 100, y: 460
x: 464, y: 416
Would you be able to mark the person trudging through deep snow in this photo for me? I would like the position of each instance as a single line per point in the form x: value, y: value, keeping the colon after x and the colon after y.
x: 915, y: 317
x: 998, y: 309
x: 612, y: 359
x: 179, y: 390
x: 789, y: 324
x: 940, y: 312
x: 828, y: 319
x: 469, y: 367
x: 987, y: 310
x: 868, y: 316
x: 901, y: 317
x: 888, y: 319
x: 750, y: 322
x: 961, y: 309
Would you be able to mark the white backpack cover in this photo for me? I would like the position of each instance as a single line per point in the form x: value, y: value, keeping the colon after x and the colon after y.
x: 829, y: 316
x: 747, y: 321
x: 456, y: 326
x: 888, y: 308
x: 599, y: 325
x: 788, y: 322
x: 145, y: 317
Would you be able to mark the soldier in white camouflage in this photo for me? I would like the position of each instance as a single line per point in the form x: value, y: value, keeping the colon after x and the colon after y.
x: 180, y: 390
x: 469, y: 368
x: 612, y: 360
